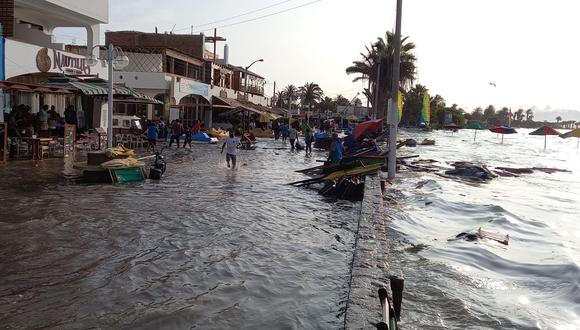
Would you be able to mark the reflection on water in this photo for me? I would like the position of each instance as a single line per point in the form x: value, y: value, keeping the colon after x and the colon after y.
x: 206, y: 247
x: 532, y: 283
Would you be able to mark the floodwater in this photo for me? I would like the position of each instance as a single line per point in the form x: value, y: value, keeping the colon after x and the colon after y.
x: 206, y: 247
x: 212, y: 248
x: 534, y: 282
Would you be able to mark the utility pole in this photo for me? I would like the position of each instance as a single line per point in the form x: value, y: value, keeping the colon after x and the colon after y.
x: 274, y: 95
x: 392, y: 154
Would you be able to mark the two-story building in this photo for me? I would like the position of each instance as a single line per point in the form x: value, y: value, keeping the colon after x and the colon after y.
x: 178, y: 70
x: 31, y: 57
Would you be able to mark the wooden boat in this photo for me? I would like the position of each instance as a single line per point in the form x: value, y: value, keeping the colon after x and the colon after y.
x: 359, y: 170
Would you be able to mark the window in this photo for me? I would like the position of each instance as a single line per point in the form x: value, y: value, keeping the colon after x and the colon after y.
x: 179, y: 67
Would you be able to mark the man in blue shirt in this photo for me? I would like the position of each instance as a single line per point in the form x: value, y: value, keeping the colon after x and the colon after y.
x: 152, y: 136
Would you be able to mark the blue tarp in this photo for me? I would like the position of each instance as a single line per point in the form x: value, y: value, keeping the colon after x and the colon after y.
x: 320, y: 135
x: 201, y: 137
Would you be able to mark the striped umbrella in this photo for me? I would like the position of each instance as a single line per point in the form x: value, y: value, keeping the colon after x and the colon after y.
x: 545, y: 131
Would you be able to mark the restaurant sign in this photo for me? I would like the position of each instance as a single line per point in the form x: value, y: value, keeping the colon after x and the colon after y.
x: 66, y: 63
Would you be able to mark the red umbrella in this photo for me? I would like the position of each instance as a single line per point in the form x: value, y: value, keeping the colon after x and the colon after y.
x: 545, y: 131
x: 503, y: 130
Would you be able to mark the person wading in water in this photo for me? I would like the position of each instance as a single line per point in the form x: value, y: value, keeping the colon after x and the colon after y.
x: 336, y: 150
x: 231, y: 145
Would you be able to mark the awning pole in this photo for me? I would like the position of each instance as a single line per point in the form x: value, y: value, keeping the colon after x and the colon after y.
x: 110, y: 97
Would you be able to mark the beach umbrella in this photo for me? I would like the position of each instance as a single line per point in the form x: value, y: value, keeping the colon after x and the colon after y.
x: 574, y: 133
x: 503, y: 130
x: 452, y: 127
x: 475, y: 125
x: 545, y: 131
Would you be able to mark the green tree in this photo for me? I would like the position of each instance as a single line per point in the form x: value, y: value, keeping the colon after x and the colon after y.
x: 380, y: 56
x: 281, y: 99
x: 476, y: 114
x: 290, y: 94
x: 327, y: 104
x: 310, y: 94
x: 558, y: 119
x: 489, y: 116
x: 503, y: 115
x: 341, y: 100
x: 529, y: 115
x: 437, y: 110
x: 413, y: 104
x: 519, y: 115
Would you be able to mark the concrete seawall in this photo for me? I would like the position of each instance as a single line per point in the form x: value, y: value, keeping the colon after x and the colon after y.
x: 370, y: 261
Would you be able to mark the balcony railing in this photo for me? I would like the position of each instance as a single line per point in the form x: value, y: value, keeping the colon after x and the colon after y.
x: 253, y: 89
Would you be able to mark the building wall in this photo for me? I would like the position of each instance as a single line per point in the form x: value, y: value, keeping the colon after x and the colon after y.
x: 157, y: 81
x: 97, y: 10
x: 23, y: 58
x: 352, y: 110
x: 192, y: 45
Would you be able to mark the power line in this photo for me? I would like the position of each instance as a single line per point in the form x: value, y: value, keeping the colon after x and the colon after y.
x: 240, y: 15
x: 260, y: 17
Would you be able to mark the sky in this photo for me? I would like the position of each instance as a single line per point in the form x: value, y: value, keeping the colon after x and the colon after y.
x: 528, y: 48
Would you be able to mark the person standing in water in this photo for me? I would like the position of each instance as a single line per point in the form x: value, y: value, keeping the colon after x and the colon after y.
x: 187, y: 141
x: 292, y: 136
x: 231, y: 145
x: 284, y: 132
x: 152, y: 135
x: 336, y: 149
x: 308, y: 139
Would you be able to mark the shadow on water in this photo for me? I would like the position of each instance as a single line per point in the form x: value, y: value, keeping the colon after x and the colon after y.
x: 206, y: 247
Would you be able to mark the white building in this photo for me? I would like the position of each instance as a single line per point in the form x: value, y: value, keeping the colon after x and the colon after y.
x: 31, y: 56
x: 175, y: 68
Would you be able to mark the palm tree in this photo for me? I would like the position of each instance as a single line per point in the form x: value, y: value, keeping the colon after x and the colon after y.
x: 291, y: 93
x: 327, y: 104
x: 413, y: 105
x: 310, y: 94
x: 477, y: 113
x: 380, y: 58
x: 529, y: 115
x: 519, y: 115
x: 280, y: 98
x: 341, y: 100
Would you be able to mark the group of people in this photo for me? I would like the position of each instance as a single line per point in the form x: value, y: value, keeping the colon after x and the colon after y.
x: 177, y: 129
x: 47, y: 121
x: 290, y: 133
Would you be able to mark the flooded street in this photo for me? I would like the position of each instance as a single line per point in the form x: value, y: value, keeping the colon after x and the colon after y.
x: 206, y: 247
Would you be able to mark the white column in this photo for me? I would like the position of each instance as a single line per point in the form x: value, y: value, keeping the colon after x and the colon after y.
x: 93, y: 38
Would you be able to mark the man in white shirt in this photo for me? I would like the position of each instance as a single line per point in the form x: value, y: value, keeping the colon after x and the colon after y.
x: 231, y: 145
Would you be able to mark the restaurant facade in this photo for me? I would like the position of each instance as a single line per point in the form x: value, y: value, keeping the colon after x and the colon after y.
x: 190, y: 80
